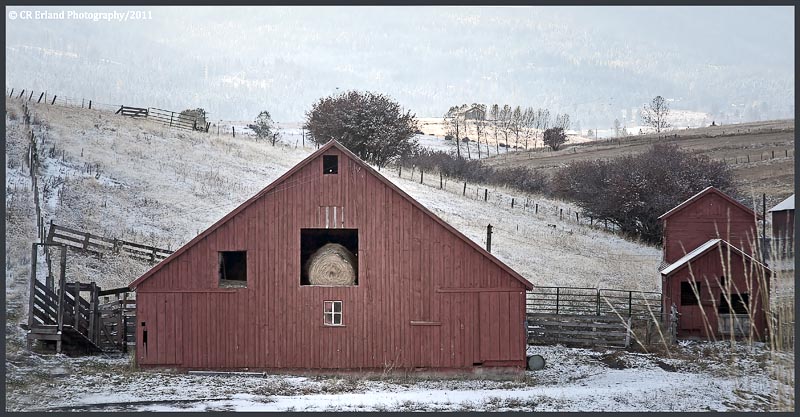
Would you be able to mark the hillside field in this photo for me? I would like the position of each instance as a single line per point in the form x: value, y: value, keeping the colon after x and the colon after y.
x: 732, y: 143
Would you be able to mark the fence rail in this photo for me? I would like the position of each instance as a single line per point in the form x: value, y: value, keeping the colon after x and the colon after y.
x: 88, y: 242
x: 593, y: 301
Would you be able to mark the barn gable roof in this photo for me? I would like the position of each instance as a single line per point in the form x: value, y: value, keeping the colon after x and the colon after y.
x: 705, y: 191
x: 301, y: 164
x: 787, y: 204
x: 702, y: 250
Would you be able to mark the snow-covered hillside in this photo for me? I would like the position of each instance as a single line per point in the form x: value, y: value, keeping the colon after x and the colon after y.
x: 134, y: 180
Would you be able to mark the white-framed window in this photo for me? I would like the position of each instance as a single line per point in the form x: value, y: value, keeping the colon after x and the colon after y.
x: 332, y: 313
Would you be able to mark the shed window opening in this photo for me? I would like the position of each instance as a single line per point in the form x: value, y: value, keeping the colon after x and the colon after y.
x: 332, y: 313
x: 738, y: 302
x: 689, y: 296
x: 233, y: 269
x: 330, y: 164
x: 329, y: 257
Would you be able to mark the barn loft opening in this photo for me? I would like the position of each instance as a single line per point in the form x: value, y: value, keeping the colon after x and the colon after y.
x: 688, y: 297
x: 329, y: 257
x: 233, y: 269
x: 330, y: 164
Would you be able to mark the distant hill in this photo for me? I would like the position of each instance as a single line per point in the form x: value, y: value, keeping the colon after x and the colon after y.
x: 596, y: 63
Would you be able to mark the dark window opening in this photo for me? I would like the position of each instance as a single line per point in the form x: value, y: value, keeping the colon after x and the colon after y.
x: 329, y: 257
x: 144, y: 338
x: 330, y: 164
x: 233, y: 269
x: 688, y: 297
x: 739, y: 302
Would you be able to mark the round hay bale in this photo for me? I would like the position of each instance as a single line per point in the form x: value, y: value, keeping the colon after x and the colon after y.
x: 332, y: 264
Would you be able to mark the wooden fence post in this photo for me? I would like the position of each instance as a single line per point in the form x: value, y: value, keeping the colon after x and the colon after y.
x: 11, y: 95
x: 34, y: 255
x: 54, y: 100
x: 86, y: 240
x: 536, y: 209
x: 465, y: 189
x: 90, y: 104
x: 773, y: 155
x: 421, y: 176
x: 441, y: 180
x: 20, y: 94
x: 485, y: 194
x: 598, y: 302
x: 489, y: 238
x: 400, y: 171
x: 61, y: 288
x: 560, y: 213
x: 172, y: 114
x: 92, y: 312
x: 76, y: 295
x: 576, y: 218
x: 512, y: 202
x: 234, y: 130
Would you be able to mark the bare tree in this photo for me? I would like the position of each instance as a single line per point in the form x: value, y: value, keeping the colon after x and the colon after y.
x: 495, y: 121
x: 480, y: 126
x: 655, y: 114
x: 506, y: 118
x: 562, y: 121
x: 516, y: 125
x: 542, y: 120
x: 456, y: 125
x: 529, y: 122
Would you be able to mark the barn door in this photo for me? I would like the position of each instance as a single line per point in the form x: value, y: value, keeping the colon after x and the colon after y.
x: 500, y: 327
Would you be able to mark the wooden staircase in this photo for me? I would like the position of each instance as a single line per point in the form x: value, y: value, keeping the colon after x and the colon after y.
x: 64, y: 319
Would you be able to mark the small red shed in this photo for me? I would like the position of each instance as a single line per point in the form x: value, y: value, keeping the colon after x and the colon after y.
x: 707, y: 215
x: 422, y: 295
x: 709, y: 273
x: 783, y: 228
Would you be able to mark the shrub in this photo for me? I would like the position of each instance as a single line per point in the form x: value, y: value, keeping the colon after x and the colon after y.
x: 633, y: 191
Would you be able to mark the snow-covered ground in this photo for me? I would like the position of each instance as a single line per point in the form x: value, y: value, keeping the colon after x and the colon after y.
x: 138, y: 181
x: 698, y: 377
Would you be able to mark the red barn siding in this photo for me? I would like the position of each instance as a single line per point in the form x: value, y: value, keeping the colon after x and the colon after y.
x: 411, y: 268
x: 710, y: 216
x: 706, y: 270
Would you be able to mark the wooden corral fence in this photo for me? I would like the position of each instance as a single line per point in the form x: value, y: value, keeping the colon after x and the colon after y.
x: 591, y: 317
x: 71, y: 316
x: 92, y: 243
x: 165, y: 117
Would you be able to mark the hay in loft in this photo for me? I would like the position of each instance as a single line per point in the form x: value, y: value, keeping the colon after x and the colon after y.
x: 332, y: 264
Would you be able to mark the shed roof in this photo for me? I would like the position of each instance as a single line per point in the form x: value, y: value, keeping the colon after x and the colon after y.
x: 787, y: 204
x: 702, y: 193
x: 701, y: 250
x: 301, y: 164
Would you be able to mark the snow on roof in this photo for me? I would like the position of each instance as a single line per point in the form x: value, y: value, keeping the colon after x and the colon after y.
x: 699, y: 251
x: 787, y: 204
x: 689, y: 256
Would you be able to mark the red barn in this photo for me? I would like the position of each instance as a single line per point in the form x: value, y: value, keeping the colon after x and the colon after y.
x: 783, y: 228
x: 708, y: 272
x: 421, y: 295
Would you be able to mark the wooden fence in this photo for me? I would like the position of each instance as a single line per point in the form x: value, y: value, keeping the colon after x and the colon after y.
x: 98, y: 244
x: 591, y: 317
x: 593, y: 301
